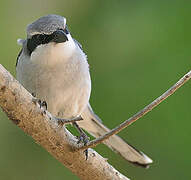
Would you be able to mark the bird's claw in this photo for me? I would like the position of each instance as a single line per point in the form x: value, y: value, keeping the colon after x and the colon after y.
x: 84, y: 139
x: 43, y: 104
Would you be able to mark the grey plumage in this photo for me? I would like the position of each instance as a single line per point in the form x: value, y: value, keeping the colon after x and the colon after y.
x: 46, y: 25
x: 59, y: 74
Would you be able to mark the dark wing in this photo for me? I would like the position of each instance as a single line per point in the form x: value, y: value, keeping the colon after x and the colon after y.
x: 80, y: 46
x: 19, y: 56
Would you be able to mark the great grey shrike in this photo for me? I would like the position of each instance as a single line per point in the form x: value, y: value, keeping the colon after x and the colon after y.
x: 53, y: 66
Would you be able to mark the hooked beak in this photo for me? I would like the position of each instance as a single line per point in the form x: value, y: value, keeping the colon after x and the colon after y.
x: 59, y: 36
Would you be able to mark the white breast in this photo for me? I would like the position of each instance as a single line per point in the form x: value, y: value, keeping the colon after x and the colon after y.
x: 58, y: 74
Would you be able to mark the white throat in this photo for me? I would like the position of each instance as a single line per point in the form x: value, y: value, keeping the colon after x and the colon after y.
x: 53, y: 53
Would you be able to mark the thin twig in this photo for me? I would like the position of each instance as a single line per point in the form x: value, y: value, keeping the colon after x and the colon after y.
x: 138, y: 115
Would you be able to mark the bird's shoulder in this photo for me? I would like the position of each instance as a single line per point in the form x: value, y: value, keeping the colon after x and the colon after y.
x: 18, y: 56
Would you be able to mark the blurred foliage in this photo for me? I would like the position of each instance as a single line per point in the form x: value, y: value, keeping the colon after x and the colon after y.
x: 136, y: 50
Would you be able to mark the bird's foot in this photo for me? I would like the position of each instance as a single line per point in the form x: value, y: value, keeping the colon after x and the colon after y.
x: 43, y: 104
x: 83, y: 138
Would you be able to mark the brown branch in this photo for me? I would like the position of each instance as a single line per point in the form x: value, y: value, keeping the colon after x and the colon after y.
x: 18, y: 104
x: 140, y: 114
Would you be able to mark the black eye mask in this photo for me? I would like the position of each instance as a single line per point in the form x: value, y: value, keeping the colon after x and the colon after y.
x: 57, y: 36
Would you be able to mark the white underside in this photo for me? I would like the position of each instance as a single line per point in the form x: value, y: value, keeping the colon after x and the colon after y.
x: 58, y: 74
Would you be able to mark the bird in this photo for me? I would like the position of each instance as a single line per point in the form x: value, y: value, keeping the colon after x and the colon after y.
x: 53, y: 66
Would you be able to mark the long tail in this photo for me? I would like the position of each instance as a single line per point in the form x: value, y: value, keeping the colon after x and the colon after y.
x: 94, y: 126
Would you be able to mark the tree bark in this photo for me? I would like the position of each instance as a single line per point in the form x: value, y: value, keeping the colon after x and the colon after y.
x: 21, y: 109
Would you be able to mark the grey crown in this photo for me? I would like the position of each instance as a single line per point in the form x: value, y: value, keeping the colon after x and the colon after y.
x: 46, y: 25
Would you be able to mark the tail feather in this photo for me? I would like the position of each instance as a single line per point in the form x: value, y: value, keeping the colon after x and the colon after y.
x: 94, y: 126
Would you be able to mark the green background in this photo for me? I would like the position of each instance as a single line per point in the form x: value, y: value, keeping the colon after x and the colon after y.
x: 136, y: 51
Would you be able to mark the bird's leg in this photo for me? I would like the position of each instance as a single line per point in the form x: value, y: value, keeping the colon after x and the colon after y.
x: 83, y: 137
x: 64, y: 121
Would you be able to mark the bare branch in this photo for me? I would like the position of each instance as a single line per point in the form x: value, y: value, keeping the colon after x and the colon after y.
x: 18, y: 104
x: 140, y: 114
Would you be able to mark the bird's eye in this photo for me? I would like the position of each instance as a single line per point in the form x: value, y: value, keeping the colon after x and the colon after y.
x: 37, y: 37
x: 41, y: 37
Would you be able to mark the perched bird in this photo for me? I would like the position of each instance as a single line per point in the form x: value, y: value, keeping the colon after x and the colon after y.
x: 53, y: 66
